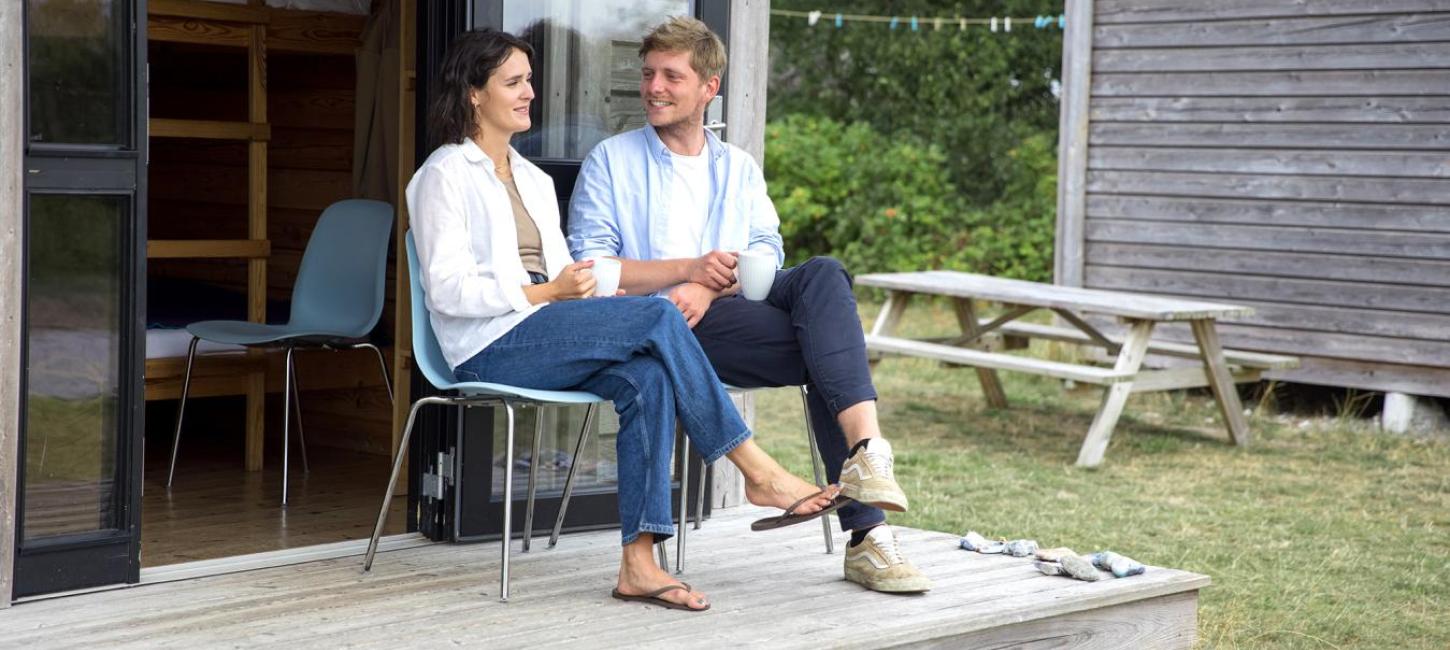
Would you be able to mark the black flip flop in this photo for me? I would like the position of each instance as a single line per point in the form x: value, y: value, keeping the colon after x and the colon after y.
x: 790, y: 518
x: 653, y: 598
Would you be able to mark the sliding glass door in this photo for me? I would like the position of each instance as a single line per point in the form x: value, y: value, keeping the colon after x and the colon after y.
x: 84, y: 258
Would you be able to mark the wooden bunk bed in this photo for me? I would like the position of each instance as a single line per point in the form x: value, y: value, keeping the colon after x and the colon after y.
x: 258, y: 30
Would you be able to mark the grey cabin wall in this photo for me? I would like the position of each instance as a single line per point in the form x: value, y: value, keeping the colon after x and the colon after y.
x: 1292, y: 156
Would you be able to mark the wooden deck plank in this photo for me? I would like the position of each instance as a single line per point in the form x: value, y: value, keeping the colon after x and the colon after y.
x: 447, y: 594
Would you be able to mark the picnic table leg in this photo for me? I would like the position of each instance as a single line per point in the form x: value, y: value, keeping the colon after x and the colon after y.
x: 991, y: 384
x: 888, y: 318
x: 1115, y: 396
x: 1221, y: 381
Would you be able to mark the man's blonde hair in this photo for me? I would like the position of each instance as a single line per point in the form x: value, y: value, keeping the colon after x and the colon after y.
x: 685, y: 34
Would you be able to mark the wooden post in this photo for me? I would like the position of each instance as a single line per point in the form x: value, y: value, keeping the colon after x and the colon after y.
x: 12, y: 160
x: 256, y: 230
x: 991, y: 384
x: 1221, y: 381
x: 1077, y: 50
x: 749, y: 49
x: 1115, y: 396
x: 402, y: 291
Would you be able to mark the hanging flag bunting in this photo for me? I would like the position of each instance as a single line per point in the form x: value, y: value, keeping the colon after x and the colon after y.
x: 992, y: 23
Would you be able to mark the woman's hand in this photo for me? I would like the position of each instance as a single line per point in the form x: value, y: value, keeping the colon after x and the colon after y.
x: 574, y: 282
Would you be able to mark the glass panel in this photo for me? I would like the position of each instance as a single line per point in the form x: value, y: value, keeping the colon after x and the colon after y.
x: 586, y: 68
x: 77, y: 71
x: 73, y: 377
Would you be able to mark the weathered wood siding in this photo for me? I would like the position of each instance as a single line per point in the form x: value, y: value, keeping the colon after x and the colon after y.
x: 1293, y: 156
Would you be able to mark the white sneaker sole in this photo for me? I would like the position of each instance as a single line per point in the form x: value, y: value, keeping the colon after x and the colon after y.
x: 894, y: 585
x: 893, y: 500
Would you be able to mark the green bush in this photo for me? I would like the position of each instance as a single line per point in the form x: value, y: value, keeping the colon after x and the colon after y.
x: 883, y: 203
x: 901, y: 149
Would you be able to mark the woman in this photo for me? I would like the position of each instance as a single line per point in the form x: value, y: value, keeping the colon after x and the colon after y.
x: 508, y: 306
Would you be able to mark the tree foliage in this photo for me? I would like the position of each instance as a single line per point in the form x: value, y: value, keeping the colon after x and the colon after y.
x: 979, y: 105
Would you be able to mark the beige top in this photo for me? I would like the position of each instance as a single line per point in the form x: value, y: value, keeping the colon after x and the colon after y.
x: 531, y: 245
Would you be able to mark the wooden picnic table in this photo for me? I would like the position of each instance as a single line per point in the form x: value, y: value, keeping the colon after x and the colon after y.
x: 982, y: 342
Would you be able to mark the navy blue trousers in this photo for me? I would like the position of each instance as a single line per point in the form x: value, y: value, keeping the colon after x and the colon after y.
x: 807, y: 331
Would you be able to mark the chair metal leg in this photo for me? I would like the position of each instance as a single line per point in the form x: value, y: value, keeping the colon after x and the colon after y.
x: 402, y: 452
x: 684, y: 503
x: 573, y: 471
x: 664, y: 556
x: 387, y: 382
x: 286, y: 430
x: 297, y: 408
x: 533, y: 476
x: 508, y: 505
x: 181, y: 409
x: 700, y: 494
x: 816, y: 466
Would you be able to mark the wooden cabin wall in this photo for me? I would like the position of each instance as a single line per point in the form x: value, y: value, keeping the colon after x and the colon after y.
x: 198, y: 191
x: 1287, y: 155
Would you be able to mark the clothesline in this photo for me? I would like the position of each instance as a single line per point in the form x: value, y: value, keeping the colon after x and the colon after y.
x: 917, y: 23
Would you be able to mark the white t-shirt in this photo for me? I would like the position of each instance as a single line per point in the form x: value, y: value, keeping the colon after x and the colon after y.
x: 689, y: 205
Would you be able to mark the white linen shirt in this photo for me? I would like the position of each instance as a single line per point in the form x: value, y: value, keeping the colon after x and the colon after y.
x: 468, y: 249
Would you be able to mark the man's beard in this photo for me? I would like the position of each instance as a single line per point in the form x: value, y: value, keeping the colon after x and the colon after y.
x: 685, y: 125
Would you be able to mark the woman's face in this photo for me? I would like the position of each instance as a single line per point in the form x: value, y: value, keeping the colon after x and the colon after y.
x: 503, y: 102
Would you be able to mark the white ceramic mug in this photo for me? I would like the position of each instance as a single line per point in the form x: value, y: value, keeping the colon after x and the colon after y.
x: 756, y: 271
x: 606, y: 276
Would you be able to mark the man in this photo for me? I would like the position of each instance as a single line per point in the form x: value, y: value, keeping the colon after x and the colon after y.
x: 674, y: 204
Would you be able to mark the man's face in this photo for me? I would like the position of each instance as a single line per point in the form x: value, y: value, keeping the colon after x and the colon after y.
x: 674, y: 94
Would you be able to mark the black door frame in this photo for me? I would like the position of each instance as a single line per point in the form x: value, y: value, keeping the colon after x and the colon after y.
x: 105, y: 557
x: 462, y: 439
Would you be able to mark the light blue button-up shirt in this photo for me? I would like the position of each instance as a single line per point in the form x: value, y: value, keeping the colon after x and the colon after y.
x: 622, y: 200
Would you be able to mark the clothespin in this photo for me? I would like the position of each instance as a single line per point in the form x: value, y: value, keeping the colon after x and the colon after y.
x: 961, y: 23
x: 914, y: 27
x: 938, y: 24
x: 838, y: 21
x: 994, y: 24
x: 813, y: 17
x: 894, y: 21
x: 1007, y: 23
x: 1061, y: 21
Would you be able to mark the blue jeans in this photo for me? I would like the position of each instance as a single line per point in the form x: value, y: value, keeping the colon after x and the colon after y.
x: 806, y: 331
x: 638, y: 353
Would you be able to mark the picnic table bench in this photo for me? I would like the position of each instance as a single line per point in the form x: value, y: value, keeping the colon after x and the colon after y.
x: 983, y: 342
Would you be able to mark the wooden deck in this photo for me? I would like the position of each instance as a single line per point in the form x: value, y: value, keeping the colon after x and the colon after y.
x: 776, y: 588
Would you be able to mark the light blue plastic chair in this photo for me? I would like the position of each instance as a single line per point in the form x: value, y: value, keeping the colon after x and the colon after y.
x: 428, y: 358
x: 337, y: 300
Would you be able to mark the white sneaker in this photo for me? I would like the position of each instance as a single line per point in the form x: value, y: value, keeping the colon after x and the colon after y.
x: 868, y: 477
x: 878, y: 564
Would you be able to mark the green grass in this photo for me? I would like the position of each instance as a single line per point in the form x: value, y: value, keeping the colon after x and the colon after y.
x: 1324, y: 534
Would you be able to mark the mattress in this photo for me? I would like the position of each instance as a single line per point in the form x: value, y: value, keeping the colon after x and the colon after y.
x: 162, y: 343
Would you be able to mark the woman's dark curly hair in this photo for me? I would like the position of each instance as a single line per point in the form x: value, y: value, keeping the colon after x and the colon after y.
x: 470, y: 59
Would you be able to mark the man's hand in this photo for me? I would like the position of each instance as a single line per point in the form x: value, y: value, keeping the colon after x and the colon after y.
x: 714, y: 270
x: 693, y: 300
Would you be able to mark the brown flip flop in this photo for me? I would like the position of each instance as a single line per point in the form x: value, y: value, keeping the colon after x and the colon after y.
x: 790, y: 518
x: 653, y: 598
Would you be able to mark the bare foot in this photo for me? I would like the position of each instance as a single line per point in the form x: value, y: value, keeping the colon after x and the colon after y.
x: 639, y: 578
x: 783, y: 489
